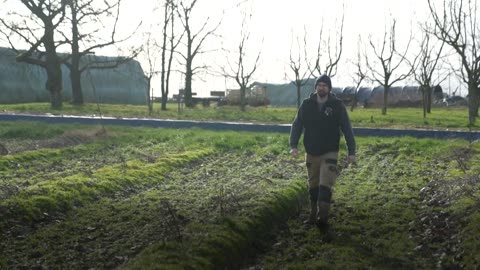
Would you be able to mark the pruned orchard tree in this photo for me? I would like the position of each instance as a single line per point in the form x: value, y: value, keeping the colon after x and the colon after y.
x: 296, y: 64
x: 194, y: 42
x: 360, y: 73
x: 170, y: 42
x: 427, y: 64
x: 36, y: 29
x: 386, y: 69
x: 458, y: 25
x: 238, y: 70
x: 152, y: 51
x: 333, y: 54
x: 149, y: 54
x: 87, y: 33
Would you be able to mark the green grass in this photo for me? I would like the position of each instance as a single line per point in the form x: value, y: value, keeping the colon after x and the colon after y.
x: 452, y: 118
x: 10, y: 130
x: 380, y: 216
x: 144, y: 198
x: 127, y: 193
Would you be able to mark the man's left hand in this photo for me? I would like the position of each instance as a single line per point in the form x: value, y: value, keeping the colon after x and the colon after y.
x: 351, y: 160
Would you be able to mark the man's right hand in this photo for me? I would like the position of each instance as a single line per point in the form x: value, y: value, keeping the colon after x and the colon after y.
x: 294, y: 152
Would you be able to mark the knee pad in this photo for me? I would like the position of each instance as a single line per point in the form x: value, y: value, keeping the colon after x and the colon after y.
x: 313, y: 194
x: 332, y: 165
x: 324, y: 194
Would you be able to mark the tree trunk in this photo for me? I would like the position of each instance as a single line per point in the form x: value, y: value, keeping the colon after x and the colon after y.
x: 354, y: 101
x: 298, y: 93
x: 429, y: 99
x: 242, y: 98
x: 56, y: 100
x: 473, y: 104
x: 424, y: 90
x: 164, y: 102
x: 149, y: 97
x: 477, y: 104
x: 385, y: 100
x: 75, y: 73
x: 164, y: 51
x: 425, y: 102
x: 53, y: 67
x: 54, y: 84
x: 75, y: 77
x: 188, y: 86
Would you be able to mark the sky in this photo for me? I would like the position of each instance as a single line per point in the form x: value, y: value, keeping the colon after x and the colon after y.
x: 273, y: 25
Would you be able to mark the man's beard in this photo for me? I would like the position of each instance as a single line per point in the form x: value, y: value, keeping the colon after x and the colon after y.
x: 322, y: 95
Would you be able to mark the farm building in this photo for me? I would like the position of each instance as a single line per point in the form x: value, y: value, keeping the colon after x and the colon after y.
x: 22, y: 82
x: 256, y: 95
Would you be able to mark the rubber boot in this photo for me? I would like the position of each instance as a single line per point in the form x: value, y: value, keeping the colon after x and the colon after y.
x: 313, y: 213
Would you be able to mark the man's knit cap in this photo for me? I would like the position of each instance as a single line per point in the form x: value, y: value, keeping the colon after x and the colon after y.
x: 325, y: 79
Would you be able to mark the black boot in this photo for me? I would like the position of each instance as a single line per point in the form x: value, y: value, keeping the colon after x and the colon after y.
x: 313, y: 214
x: 322, y: 219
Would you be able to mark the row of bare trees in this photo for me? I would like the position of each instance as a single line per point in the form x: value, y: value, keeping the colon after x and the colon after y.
x: 380, y: 65
x: 78, y: 24
x: 387, y: 62
x: 192, y: 38
x: 457, y: 24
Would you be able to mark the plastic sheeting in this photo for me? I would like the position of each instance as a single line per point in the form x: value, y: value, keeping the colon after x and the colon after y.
x: 22, y: 82
x: 286, y: 94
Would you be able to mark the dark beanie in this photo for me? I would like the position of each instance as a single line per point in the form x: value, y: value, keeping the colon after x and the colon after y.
x: 325, y: 79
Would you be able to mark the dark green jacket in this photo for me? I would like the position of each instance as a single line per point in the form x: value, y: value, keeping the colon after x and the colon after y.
x: 322, y: 126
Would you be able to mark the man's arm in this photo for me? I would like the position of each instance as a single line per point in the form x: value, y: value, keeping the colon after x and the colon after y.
x: 296, y: 131
x: 347, y: 130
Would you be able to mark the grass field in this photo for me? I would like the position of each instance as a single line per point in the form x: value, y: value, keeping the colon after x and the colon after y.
x: 84, y: 197
x: 455, y: 118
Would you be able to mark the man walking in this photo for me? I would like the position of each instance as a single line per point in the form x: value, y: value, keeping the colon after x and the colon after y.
x: 322, y: 117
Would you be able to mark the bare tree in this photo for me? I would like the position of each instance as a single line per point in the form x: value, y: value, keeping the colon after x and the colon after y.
x: 149, y: 54
x: 194, y: 43
x: 428, y: 59
x: 166, y: 50
x: 239, y: 70
x: 87, y: 19
x: 329, y: 66
x: 359, y: 75
x: 458, y: 26
x: 390, y: 59
x: 169, y: 20
x: 38, y: 31
x: 296, y: 66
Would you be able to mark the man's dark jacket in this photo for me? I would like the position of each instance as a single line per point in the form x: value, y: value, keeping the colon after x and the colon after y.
x: 322, y: 126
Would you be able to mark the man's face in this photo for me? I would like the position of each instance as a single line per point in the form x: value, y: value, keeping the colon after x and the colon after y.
x: 322, y: 89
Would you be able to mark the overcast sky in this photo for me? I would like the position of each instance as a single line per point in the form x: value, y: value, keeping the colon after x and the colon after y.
x: 273, y: 25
